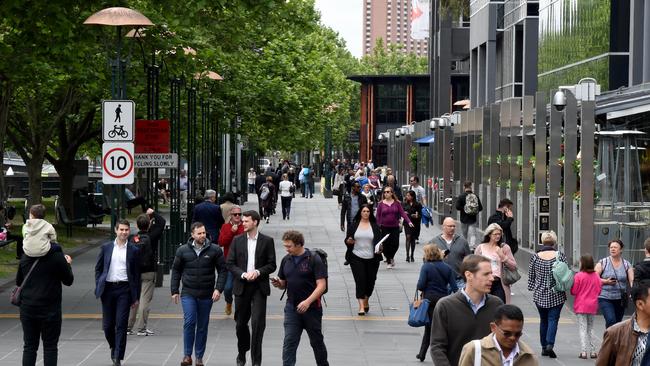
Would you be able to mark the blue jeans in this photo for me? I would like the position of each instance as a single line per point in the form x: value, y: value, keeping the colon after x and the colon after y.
x: 548, y: 320
x: 227, y: 290
x: 294, y: 323
x: 196, y: 315
x: 612, y: 311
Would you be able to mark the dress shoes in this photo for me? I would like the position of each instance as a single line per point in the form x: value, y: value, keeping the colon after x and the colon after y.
x: 199, y: 362
x: 117, y: 362
x: 187, y: 361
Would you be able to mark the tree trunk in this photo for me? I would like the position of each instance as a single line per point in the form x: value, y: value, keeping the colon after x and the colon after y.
x: 34, y: 168
x: 66, y: 170
x: 5, y: 95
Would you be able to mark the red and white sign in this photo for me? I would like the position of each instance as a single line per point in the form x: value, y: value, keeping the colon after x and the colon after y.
x: 117, y: 163
x: 152, y: 136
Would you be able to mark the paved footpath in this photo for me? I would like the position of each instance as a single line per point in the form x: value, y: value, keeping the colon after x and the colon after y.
x: 381, y: 338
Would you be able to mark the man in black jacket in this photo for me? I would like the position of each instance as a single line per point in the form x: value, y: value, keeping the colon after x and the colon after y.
x: 195, y: 263
x: 150, y: 227
x: 469, y: 205
x: 351, y: 204
x: 503, y: 217
x: 251, y: 259
x: 40, y: 309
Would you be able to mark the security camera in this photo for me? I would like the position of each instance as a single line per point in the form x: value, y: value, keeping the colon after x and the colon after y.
x: 432, y: 125
x: 397, y: 132
x: 559, y: 100
x: 380, y: 137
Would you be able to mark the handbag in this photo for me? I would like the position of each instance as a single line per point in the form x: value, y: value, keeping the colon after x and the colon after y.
x: 419, y: 312
x: 509, y: 276
x: 14, y: 298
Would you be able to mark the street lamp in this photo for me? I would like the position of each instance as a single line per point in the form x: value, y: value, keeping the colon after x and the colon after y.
x: 118, y: 17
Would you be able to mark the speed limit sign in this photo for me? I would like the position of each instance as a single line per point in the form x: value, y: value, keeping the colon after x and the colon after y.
x: 117, y: 163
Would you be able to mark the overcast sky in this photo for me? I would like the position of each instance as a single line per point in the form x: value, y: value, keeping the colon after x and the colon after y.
x: 344, y: 16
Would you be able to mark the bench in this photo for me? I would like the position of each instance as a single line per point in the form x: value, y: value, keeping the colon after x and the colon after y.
x: 63, y: 219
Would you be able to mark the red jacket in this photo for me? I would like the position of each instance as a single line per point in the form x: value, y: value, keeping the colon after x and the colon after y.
x: 226, y: 235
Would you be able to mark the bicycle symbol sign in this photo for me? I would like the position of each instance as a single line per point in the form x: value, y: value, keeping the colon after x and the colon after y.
x: 118, y: 120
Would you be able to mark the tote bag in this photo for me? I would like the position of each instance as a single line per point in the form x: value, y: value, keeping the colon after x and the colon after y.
x: 418, y: 312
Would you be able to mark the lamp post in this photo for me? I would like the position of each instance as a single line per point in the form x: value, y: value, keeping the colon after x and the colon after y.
x: 118, y: 17
x: 327, y: 192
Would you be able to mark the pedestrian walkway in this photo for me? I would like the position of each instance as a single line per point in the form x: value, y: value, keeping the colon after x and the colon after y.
x: 381, y: 338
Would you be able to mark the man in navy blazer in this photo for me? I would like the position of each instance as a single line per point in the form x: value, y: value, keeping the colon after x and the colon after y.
x: 117, y: 283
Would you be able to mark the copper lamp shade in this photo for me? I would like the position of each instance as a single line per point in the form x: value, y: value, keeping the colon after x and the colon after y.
x: 118, y: 17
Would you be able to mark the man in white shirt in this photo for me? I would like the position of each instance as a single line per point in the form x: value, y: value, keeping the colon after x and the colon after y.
x: 251, y: 259
x: 420, y: 193
x: 503, y: 346
x: 118, y: 285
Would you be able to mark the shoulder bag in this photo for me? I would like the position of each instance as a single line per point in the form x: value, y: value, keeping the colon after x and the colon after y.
x: 509, y: 276
x: 15, y: 293
x: 418, y: 312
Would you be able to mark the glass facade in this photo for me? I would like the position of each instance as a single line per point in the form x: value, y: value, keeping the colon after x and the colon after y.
x: 421, y: 106
x: 578, y: 39
x: 390, y: 104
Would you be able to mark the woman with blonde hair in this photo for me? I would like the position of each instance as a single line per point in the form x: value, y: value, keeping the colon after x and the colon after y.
x: 435, y: 276
x: 548, y: 301
x: 500, y: 255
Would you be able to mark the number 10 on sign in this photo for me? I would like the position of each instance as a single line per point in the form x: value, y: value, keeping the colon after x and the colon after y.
x: 117, y: 163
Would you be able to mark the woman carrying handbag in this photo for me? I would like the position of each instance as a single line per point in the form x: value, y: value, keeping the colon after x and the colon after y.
x: 435, y: 276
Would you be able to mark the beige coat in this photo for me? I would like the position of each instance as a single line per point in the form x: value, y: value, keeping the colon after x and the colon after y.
x: 490, y: 355
x: 37, y: 235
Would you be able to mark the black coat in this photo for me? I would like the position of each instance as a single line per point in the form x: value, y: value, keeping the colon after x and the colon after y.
x: 43, y: 287
x: 147, y: 257
x: 264, y: 262
x: 504, y: 221
x: 352, y: 228
x: 197, y: 272
x: 346, y: 213
x: 460, y: 206
x: 642, y: 271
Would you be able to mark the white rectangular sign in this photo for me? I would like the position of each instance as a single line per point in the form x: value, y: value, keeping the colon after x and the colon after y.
x: 118, y: 120
x: 156, y: 160
x: 117, y: 163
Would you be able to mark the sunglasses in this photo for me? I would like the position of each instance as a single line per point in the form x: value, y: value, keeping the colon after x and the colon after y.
x: 509, y: 334
x: 236, y: 214
x: 388, y: 192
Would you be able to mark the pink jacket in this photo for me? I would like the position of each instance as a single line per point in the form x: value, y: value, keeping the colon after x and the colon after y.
x: 586, y: 288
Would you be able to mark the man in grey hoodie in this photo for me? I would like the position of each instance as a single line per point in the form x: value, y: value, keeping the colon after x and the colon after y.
x: 37, y: 233
x: 455, y: 247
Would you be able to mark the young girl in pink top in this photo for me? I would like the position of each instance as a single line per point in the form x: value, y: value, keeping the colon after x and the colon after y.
x: 586, y: 288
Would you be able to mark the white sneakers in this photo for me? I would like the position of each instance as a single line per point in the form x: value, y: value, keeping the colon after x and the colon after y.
x: 146, y: 332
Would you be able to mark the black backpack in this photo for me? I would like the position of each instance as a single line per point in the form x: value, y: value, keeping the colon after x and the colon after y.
x: 323, y: 257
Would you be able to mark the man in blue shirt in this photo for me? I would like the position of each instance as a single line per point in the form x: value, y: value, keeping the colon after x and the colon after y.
x: 303, y: 274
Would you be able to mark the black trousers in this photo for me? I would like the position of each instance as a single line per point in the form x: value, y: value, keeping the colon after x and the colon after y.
x: 286, y: 206
x: 40, y: 323
x: 497, y: 289
x: 426, y: 338
x: 250, y: 306
x: 392, y: 243
x: 364, y: 272
x: 116, y: 303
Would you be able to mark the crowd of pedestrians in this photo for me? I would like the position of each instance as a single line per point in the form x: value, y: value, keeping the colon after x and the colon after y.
x: 463, y: 277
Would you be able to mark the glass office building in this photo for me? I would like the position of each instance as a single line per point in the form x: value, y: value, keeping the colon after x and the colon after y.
x: 583, y: 38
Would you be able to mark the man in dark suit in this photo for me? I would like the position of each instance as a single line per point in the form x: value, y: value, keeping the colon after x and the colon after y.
x: 117, y: 283
x: 251, y: 260
x: 209, y: 213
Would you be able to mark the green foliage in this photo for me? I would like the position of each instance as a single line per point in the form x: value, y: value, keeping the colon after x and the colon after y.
x: 413, y: 158
x: 392, y: 60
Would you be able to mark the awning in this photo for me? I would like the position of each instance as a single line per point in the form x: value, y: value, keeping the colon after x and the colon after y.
x: 425, y: 140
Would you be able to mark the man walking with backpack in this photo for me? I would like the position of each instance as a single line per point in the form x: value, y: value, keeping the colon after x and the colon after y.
x: 469, y: 205
x: 304, y: 275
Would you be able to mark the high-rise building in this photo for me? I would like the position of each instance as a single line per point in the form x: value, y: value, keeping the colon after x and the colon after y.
x: 390, y: 20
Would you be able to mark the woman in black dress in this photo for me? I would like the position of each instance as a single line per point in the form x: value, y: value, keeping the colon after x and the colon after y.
x: 414, y: 211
